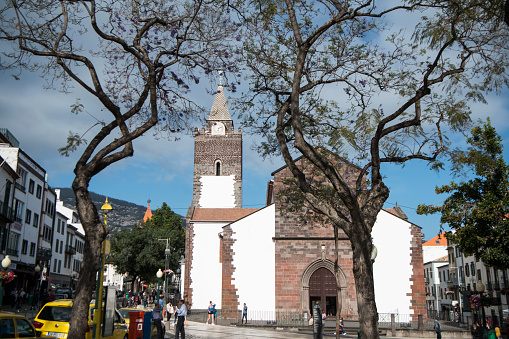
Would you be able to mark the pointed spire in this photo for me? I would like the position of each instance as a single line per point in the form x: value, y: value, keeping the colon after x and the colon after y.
x: 219, y: 109
x: 148, y: 214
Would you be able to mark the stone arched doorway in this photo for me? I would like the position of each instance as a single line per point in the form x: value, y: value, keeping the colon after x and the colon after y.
x: 319, y: 283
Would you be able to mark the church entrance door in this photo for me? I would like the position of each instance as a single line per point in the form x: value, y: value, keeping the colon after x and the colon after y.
x: 323, y: 288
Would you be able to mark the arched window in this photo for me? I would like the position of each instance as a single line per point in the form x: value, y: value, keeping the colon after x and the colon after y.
x: 218, y: 168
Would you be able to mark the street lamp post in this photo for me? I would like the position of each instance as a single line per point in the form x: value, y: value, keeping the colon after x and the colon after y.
x: 99, y: 287
x: 177, y: 279
x: 6, y: 262
x: 159, y: 275
x: 480, y: 288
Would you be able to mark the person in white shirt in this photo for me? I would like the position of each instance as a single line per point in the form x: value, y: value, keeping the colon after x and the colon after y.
x: 169, y: 311
x: 181, y: 314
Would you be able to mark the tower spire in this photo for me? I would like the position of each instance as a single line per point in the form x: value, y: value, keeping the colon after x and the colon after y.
x: 219, y: 109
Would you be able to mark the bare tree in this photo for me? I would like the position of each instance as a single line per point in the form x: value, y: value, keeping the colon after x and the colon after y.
x: 321, y: 73
x: 139, y: 58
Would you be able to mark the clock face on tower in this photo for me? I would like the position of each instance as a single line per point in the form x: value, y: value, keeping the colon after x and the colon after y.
x: 218, y: 128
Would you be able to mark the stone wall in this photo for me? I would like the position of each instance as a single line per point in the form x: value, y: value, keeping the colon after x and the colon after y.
x: 210, y: 148
x: 299, y: 253
x: 417, y: 280
x: 230, y: 300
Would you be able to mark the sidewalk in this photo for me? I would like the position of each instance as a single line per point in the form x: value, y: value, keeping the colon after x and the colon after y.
x: 195, y: 330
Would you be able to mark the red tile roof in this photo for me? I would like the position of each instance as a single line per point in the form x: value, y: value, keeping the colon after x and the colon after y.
x: 439, y: 240
x: 221, y: 214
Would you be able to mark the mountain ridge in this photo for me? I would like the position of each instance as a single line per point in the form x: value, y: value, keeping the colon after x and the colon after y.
x: 123, y: 214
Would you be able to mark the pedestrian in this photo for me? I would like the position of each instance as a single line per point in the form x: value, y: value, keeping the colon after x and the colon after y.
x: 19, y: 299
x: 44, y: 297
x: 145, y: 297
x: 438, y: 329
x: 244, y: 313
x: 157, y: 317
x: 14, y: 297
x: 210, y: 311
x: 181, y: 314
x: 497, y: 332
x: 477, y: 331
x: 51, y: 296
x: 324, y: 316
x: 169, y: 311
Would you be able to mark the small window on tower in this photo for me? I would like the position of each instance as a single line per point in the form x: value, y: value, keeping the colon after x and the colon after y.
x: 218, y: 167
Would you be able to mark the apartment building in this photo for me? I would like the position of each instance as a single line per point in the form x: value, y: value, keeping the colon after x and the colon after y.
x: 452, y: 280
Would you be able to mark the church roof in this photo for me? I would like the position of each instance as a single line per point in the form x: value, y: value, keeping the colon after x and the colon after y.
x: 221, y: 214
x: 438, y: 240
x: 219, y: 109
x: 397, y: 211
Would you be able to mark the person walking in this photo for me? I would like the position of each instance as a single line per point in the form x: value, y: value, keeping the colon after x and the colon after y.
x: 210, y: 311
x: 438, y: 328
x: 157, y: 317
x: 244, y: 313
x: 181, y: 314
x: 169, y: 311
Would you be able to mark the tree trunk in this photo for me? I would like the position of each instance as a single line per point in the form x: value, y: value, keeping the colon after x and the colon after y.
x: 336, y: 274
x: 364, y: 284
x: 94, y: 235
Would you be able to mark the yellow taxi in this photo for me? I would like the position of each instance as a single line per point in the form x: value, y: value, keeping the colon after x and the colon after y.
x: 53, y: 320
x: 16, y: 326
x: 124, y: 312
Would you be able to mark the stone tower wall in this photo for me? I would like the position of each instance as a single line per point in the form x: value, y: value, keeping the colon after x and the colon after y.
x: 210, y: 148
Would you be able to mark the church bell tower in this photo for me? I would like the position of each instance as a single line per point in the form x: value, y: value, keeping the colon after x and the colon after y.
x: 217, y: 181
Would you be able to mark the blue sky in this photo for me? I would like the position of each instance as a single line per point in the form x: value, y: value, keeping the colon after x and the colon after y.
x: 162, y: 170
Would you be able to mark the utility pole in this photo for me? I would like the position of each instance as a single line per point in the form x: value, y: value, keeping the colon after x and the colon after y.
x: 166, y: 268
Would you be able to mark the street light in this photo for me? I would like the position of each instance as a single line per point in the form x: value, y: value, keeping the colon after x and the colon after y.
x: 6, y: 262
x: 481, y: 288
x: 99, y: 287
x: 159, y: 275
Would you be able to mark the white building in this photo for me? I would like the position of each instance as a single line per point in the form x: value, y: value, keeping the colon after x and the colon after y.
x: 31, y: 207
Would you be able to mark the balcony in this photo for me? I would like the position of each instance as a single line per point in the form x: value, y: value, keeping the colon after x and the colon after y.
x: 504, y: 284
x: 20, y: 187
x: 6, y: 212
x: 70, y: 249
x: 43, y: 253
x: 11, y: 251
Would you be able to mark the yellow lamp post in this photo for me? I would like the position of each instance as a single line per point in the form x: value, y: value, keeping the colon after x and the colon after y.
x: 99, y: 289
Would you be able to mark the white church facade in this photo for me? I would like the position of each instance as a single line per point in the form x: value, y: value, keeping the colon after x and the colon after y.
x: 269, y: 259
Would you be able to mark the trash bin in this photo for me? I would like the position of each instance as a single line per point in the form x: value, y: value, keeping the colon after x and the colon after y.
x: 136, y: 324
x: 30, y: 300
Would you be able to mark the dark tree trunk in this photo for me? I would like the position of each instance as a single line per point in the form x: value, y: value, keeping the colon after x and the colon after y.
x: 364, y: 284
x: 506, y: 12
x: 94, y: 235
x: 336, y: 274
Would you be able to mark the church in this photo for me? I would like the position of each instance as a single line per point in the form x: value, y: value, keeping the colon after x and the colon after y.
x: 272, y: 261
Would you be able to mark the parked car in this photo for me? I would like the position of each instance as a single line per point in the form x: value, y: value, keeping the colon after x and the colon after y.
x: 67, y: 291
x: 16, y: 326
x: 59, y: 296
x: 53, y: 320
